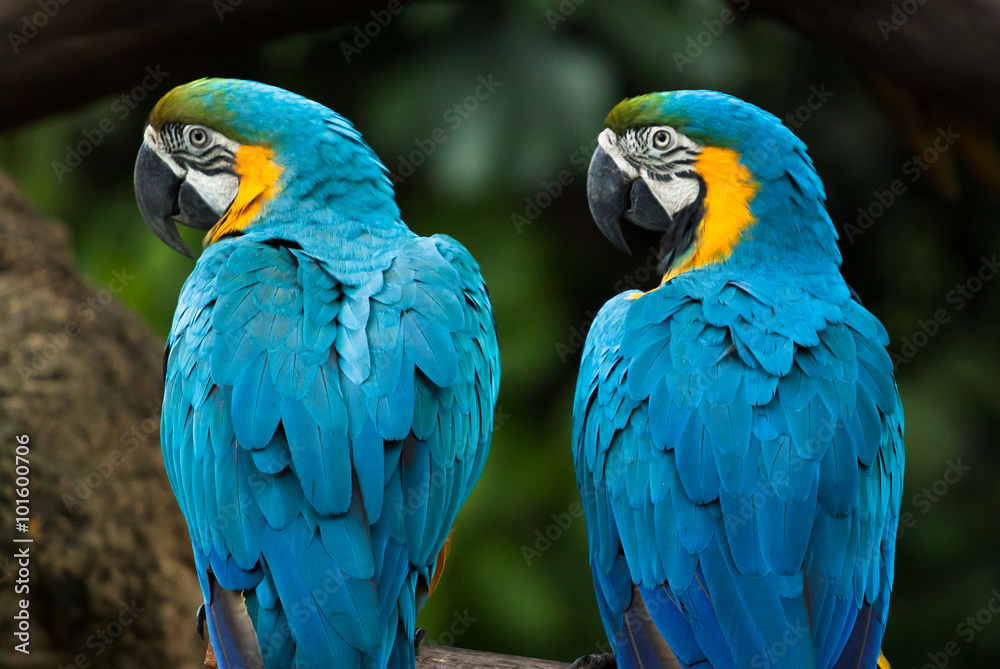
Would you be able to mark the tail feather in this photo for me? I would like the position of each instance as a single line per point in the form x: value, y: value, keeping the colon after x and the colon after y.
x: 639, y: 644
x: 273, y: 630
x: 863, y: 647
x: 402, y: 655
x: 229, y: 627
x: 233, y: 637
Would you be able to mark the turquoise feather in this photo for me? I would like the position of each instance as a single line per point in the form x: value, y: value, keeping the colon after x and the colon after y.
x: 737, y: 434
x: 320, y: 367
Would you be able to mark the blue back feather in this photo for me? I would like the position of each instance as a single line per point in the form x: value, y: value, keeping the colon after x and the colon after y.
x: 311, y: 426
x: 738, y: 436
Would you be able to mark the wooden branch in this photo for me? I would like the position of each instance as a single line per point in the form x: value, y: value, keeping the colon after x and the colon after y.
x: 50, y: 50
x: 433, y: 657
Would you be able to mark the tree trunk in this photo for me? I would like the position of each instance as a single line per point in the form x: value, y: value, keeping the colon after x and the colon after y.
x: 110, y: 576
x: 110, y: 573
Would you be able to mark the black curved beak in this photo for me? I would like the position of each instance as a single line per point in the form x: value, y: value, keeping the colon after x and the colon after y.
x: 607, y: 194
x: 166, y: 199
x: 613, y: 196
x: 157, y: 191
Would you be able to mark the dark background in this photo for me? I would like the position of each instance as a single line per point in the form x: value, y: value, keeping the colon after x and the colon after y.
x: 507, y: 180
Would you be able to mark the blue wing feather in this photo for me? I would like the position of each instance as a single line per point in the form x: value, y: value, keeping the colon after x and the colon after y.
x: 290, y: 391
x: 769, y: 508
x: 256, y: 405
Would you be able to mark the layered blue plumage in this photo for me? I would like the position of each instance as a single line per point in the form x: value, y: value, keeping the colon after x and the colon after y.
x: 738, y: 438
x: 328, y: 403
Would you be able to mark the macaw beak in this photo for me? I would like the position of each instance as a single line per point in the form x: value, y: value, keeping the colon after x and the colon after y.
x: 166, y: 198
x: 157, y: 191
x: 614, y: 195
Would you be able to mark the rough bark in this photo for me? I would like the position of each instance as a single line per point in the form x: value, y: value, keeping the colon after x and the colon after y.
x: 434, y: 657
x: 111, y: 581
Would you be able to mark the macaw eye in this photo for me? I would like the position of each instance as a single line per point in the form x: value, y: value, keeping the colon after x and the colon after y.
x: 661, y: 139
x: 197, y: 137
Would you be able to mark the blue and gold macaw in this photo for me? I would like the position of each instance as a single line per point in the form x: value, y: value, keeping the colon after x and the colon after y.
x: 330, y: 379
x: 737, y: 431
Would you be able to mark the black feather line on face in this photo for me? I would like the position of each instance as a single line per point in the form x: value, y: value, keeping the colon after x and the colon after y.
x: 172, y: 136
x: 211, y: 160
x: 676, y: 241
x: 218, y: 160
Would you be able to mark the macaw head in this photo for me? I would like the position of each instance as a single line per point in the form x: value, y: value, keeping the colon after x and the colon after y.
x: 706, y: 170
x: 227, y: 156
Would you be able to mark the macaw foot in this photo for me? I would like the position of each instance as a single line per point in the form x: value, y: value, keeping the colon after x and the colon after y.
x: 419, y: 636
x: 604, y: 661
x: 201, y: 621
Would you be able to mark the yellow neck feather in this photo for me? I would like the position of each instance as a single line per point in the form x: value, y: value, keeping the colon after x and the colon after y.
x: 258, y: 179
x: 729, y: 189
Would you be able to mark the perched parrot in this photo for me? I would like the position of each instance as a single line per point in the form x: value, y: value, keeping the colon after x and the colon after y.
x: 330, y: 379
x: 737, y: 431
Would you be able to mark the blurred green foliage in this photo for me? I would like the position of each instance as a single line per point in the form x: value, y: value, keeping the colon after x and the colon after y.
x: 557, y: 79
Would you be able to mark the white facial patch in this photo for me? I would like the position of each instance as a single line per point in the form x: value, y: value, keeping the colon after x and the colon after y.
x: 674, y: 193
x: 217, y: 190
